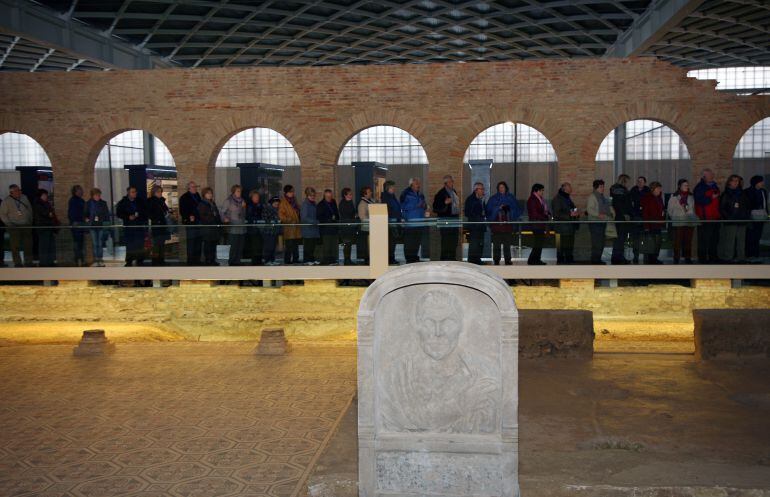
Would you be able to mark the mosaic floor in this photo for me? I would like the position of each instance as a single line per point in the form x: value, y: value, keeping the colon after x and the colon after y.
x: 173, y: 419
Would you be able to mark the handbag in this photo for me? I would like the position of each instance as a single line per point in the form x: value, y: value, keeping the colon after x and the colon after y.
x: 611, y: 231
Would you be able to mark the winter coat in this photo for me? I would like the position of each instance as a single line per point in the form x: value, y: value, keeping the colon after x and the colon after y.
x: 441, y: 208
x: 254, y: 217
x: 348, y: 214
x: 562, y: 206
x: 394, y: 207
x: 598, y: 204
x: 127, y: 207
x: 157, y: 210
x: 328, y: 215
x: 498, y: 200
x: 16, y: 212
x: 653, y: 210
x: 76, y: 210
x: 234, y: 213
x: 734, y: 205
x: 636, y: 201
x: 188, y: 206
x: 707, y: 200
x: 289, y: 215
x: 43, y: 214
x: 758, y: 202
x: 679, y: 213
x: 97, y: 213
x: 474, y: 211
x: 537, y: 211
x: 272, y: 221
x: 208, y: 214
x: 308, y: 215
x: 621, y: 202
x: 363, y: 213
x: 503, y: 216
x: 412, y: 205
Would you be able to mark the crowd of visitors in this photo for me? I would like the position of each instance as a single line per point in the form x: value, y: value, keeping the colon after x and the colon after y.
x: 635, y: 219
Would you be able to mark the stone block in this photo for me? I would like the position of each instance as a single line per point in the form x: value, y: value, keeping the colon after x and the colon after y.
x: 438, y: 383
x: 272, y: 342
x: 733, y: 333
x: 556, y: 333
x: 93, y: 343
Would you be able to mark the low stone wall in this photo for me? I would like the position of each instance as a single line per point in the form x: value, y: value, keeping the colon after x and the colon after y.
x: 730, y: 334
x: 321, y: 310
x: 556, y: 333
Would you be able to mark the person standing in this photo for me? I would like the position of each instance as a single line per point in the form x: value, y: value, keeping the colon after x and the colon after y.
x: 503, y: 208
x: 759, y: 208
x: 537, y: 210
x: 97, y: 215
x: 188, y: 212
x: 45, y: 217
x: 362, y: 247
x: 414, y: 211
x: 157, y: 212
x: 76, y: 216
x: 389, y: 198
x: 636, y: 229
x: 348, y: 216
x: 733, y: 206
x: 681, y: 211
x: 446, y: 205
x: 308, y: 215
x: 208, y: 215
x: 653, y: 213
x: 623, y: 205
x: 132, y: 210
x: 328, y: 216
x: 233, y: 212
x: 474, y: 211
x: 271, y: 230
x: 254, y: 232
x: 288, y: 212
x: 706, y: 194
x: 2, y: 238
x: 16, y: 213
x: 599, y: 210
x: 564, y: 210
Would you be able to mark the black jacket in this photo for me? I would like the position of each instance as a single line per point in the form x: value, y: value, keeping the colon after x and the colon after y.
x: 440, y: 207
x: 348, y: 214
x: 562, y: 206
x: 622, y: 202
x: 208, y: 213
x: 188, y: 206
x: 127, y: 207
x: 43, y: 214
x: 474, y: 212
x: 734, y: 205
x: 327, y: 212
x: 636, y: 201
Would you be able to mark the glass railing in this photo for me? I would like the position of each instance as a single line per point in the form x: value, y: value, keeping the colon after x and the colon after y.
x: 350, y: 244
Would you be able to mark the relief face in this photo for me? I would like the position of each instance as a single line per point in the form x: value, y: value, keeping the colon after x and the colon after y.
x: 438, y: 369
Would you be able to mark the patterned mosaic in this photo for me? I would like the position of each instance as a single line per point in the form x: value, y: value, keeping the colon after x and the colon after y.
x: 171, y: 419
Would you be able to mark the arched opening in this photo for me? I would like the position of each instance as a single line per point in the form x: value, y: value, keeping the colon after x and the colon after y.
x: 752, y: 155
x: 644, y: 148
x: 25, y: 163
x: 377, y: 154
x: 260, y: 158
x: 515, y: 153
x: 135, y: 158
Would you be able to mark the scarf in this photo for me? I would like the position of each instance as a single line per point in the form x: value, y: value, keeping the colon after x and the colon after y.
x: 683, y: 198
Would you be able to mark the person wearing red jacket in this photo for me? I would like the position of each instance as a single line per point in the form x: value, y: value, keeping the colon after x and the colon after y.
x: 654, y: 215
x: 706, y: 195
x: 537, y: 211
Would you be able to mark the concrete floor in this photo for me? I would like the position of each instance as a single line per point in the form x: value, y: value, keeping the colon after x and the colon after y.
x: 211, y: 419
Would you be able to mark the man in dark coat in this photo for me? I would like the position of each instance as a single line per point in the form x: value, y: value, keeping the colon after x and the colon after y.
x: 446, y: 204
x: 133, y: 211
x: 624, y: 211
x: 637, y: 192
x: 474, y: 213
x: 188, y: 213
x: 564, y: 209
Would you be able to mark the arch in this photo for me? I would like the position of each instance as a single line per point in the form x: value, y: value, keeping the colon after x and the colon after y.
x: 30, y: 154
x: 531, y: 158
x: 653, y: 150
x: 31, y: 144
x: 751, y: 155
x: 388, y: 148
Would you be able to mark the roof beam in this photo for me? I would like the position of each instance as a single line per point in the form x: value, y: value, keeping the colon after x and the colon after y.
x: 52, y: 30
x: 8, y: 50
x: 651, y: 26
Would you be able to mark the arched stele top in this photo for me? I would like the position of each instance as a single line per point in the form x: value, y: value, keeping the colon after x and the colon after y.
x: 446, y: 273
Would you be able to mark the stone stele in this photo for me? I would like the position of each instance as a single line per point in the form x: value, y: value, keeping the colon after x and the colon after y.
x: 272, y: 342
x: 93, y: 342
x: 438, y: 384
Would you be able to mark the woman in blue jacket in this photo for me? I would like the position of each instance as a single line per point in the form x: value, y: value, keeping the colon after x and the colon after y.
x: 413, y: 209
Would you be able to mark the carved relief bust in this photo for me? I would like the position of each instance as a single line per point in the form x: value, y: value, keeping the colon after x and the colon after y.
x: 431, y: 386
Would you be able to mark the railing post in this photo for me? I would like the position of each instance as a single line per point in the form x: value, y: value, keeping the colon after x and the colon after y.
x: 378, y: 240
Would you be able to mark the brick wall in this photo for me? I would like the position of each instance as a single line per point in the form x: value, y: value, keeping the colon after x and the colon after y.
x: 573, y: 103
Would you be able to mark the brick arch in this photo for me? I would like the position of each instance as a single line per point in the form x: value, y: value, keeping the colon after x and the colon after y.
x: 516, y: 114
x: 7, y: 125
x: 684, y: 125
x: 348, y: 128
x: 736, y: 133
